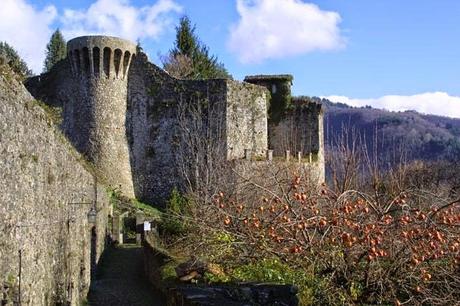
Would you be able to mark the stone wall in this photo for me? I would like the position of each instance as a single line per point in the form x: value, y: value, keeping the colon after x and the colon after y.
x: 234, y: 294
x: 295, y: 123
x: 299, y: 130
x: 152, y: 113
x: 130, y: 124
x: 129, y: 127
x: 46, y: 246
x: 50, y: 88
x: 273, y: 175
x: 246, y: 119
x: 232, y: 115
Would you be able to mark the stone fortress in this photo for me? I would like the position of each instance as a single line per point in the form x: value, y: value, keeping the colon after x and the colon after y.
x: 121, y: 112
x: 120, y: 119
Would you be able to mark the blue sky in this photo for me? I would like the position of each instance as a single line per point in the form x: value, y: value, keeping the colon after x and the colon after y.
x: 391, y: 54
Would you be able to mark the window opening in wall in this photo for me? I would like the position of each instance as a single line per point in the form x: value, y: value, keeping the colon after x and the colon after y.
x: 97, y: 60
x: 86, y: 60
x: 117, y: 61
x: 126, y: 63
x: 70, y: 57
x: 77, y: 60
x: 107, y: 59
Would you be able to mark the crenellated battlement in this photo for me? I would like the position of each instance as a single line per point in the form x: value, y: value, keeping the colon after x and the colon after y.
x: 100, y: 56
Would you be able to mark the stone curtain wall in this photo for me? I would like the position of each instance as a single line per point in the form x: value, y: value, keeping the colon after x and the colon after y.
x: 294, y: 123
x: 272, y: 175
x: 50, y: 87
x: 155, y: 103
x: 300, y: 130
x: 41, y: 176
x: 246, y: 119
x: 151, y: 119
x: 125, y: 119
x: 234, y: 113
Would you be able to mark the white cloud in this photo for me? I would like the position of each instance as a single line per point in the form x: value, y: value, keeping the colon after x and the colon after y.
x: 119, y: 18
x: 437, y: 103
x: 279, y: 28
x: 27, y: 29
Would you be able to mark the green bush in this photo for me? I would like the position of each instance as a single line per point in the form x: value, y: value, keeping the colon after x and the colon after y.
x: 313, y: 289
x: 149, y: 210
x: 173, y: 218
x: 114, y: 196
x: 168, y: 272
x: 11, y: 57
x: 122, y: 203
x: 274, y: 271
x: 216, y: 278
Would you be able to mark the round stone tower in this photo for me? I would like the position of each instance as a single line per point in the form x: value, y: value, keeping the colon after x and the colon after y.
x: 96, y: 119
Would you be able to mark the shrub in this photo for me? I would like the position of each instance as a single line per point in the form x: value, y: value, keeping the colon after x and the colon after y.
x: 123, y: 203
x: 274, y: 271
x: 173, y: 217
x: 397, y: 243
x: 149, y: 210
x: 11, y: 57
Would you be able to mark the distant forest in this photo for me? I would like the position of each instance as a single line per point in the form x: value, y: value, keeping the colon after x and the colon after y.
x: 388, y: 134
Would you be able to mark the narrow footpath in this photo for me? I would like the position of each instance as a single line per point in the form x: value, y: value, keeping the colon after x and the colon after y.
x: 120, y: 280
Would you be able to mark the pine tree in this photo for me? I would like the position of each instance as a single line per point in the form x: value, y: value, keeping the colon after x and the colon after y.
x: 189, y: 49
x: 56, y: 50
x: 12, y: 58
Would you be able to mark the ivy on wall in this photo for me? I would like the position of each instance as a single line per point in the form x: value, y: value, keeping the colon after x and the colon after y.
x: 280, y: 101
x: 280, y: 90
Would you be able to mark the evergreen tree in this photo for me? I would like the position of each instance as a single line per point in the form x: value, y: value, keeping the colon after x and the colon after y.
x: 188, y: 48
x: 12, y: 58
x: 56, y: 50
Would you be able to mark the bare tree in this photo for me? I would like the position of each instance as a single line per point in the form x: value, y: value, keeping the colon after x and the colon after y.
x: 344, y: 160
x: 179, y: 66
x: 202, y: 157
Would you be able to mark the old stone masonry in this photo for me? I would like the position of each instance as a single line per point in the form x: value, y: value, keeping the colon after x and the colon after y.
x: 125, y: 121
x: 121, y: 112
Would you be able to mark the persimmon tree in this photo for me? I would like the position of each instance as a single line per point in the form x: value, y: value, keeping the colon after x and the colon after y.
x: 405, y: 250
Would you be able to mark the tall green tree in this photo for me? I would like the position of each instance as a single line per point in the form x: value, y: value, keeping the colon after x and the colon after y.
x: 190, y: 51
x: 56, y: 50
x: 11, y: 57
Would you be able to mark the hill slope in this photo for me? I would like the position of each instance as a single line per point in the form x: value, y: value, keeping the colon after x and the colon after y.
x: 426, y: 137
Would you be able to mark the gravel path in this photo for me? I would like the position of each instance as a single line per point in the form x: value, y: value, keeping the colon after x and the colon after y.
x: 120, y: 280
